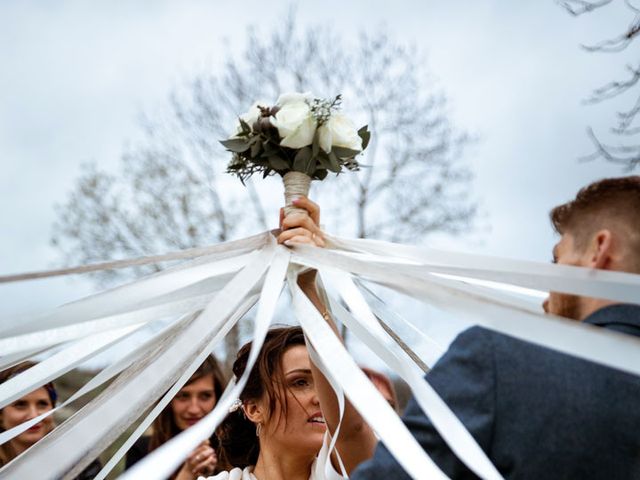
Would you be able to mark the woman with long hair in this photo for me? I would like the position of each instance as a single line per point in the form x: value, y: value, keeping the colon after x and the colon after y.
x: 195, y: 399
x: 278, y: 427
x: 27, y: 407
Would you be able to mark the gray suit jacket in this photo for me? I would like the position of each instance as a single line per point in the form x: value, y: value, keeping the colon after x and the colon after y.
x: 538, y: 414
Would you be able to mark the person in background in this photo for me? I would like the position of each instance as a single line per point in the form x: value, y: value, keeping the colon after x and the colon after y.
x: 195, y: 399
x: 384, y: 386
x: 40, y: 401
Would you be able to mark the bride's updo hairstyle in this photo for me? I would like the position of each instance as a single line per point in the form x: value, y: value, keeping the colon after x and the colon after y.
x: 239, y: 445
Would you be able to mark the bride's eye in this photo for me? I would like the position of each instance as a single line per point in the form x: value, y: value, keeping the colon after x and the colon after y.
x: 301, y: 382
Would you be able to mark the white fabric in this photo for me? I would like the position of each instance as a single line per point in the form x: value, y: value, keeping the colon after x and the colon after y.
x: 235, y: 246
x: 365, y: 326
x: 162, y: 461
x: 58, y: 364
x: 112, y: 370
x: 109, y: 415
x: 173, y: 304
x: 614, y: 285
x: 322, y: 468
x: 496, y: 310
x: 360, y: 391
x: 125, y: 298
x: 438, y: 278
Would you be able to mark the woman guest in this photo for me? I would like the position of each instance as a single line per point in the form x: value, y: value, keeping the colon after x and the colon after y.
x: 195, y: 400
x: 25, y: 408
x: 277, y: 429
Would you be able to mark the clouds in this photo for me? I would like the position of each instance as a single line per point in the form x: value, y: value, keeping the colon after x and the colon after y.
x: 76, y: 75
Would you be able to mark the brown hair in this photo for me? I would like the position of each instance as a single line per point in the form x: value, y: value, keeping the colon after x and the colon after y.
x: 164, y: 426
x: 239, y: 444
x: 612, y: 203
x: 7, y: 452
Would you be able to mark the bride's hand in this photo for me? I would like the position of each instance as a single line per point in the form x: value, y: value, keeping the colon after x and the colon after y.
x: 299, y: 228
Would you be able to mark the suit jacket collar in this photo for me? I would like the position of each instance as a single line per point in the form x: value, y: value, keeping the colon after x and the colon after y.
x: 622, y: 317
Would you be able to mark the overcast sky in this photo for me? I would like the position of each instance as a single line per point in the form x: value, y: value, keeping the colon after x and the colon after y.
x: 75, y: 77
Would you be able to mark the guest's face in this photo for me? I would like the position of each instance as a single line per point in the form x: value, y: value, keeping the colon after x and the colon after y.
x: 384, y: 390
x: 193, y: 402
x: 26, y: 408
x: 563, y: 304
x: 303, y: 427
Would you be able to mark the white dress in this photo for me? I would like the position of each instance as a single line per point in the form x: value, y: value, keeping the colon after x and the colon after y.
x: 321, y: 469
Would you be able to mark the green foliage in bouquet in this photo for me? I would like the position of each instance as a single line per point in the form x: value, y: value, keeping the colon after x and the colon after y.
x: 300, y: 134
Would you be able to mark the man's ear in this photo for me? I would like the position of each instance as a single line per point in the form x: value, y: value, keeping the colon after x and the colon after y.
x: 601, y: 250
x: 254, y: 412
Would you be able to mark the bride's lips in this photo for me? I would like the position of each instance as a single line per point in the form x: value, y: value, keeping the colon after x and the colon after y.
x: 35, y: 428
x: 316, y: 419
x: 191, y: 421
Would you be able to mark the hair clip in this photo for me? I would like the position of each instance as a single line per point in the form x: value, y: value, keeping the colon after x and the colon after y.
x: 237, y: 403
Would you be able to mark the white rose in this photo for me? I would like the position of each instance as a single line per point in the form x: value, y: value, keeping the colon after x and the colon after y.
x: 338, y: 131
x: 293, y: 97
x: 251, y: 116
x: 296, y: 126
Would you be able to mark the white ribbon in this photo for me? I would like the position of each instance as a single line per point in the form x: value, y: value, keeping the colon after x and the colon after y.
x: 591, y: 343
x: 426, y: 274
x: 124, y: 298
x: 175, y: 304
x: 362, y: 394
x: 620, y: 286
x: 365, y: 326
x: 98, y: 424
x: 325, y: 463
x: 165, y: 459
x: 7, y: 361
x: 433, y: 350
x: 164, y: 401
x: 58, y: 364
x: 98, y: 380
x: 233, y: 247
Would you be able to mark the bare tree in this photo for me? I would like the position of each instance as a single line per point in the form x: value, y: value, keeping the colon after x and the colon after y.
x: 625, y: 154
x: 170, y: 192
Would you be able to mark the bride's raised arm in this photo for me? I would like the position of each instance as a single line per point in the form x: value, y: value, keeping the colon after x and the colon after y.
x: 356, y: 440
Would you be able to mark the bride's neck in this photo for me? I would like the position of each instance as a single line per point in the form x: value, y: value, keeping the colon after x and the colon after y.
x: 275, y: 464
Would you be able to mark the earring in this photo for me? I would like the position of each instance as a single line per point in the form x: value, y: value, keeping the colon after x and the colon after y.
x: 258, y: 429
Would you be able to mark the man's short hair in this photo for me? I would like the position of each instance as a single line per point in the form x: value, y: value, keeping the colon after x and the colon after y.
x: 612, y: 203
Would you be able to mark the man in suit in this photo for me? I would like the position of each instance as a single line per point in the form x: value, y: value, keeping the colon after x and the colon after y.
x: 537, y: 413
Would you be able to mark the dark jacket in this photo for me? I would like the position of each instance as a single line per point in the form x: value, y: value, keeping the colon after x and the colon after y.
x: 537, y: 413
x: 91, y: 471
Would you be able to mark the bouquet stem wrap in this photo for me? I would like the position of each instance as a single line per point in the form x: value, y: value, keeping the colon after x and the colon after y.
x: 296, y: 184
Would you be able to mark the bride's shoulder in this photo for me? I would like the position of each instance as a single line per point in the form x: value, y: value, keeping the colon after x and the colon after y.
x: 234, y: 474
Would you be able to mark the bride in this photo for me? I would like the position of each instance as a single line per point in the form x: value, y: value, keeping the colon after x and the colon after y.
x: 277, y: 429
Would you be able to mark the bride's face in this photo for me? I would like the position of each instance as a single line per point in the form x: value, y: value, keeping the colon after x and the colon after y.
x: 302, y: 427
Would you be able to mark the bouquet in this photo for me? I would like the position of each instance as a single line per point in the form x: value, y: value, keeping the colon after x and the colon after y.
x: 300, y: 138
